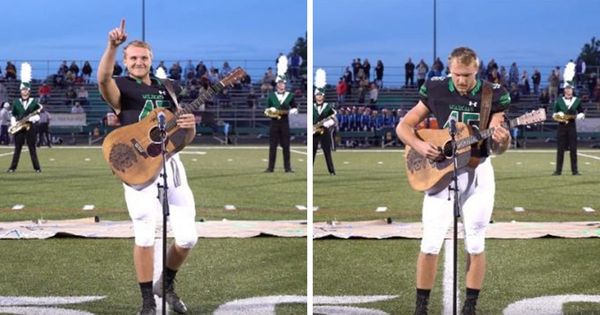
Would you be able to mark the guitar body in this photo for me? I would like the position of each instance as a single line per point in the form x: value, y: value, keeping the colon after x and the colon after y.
x: 133, y: 152
x: 433, y: 176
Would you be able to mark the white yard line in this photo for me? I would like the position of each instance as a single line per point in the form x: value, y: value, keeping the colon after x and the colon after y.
x: 448, y: 277
x: 588, y: 156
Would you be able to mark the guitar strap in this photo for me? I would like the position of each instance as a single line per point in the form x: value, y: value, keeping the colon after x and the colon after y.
x: 486, y: 105
x: 171, y: 90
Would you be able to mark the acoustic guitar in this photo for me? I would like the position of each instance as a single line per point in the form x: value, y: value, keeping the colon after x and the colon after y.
x: 434, y: 175
x: 133, y: 152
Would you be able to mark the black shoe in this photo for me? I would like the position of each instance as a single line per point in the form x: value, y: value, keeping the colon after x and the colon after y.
x: 469, y: 308
x: 269, y: 170
x: 421, y: 308
x: 576, y: 174
x: 10, y: 170
x: 148, y: 308
x: 172, y: 299
x: 556, y: 174
x: 38, y: 170
x: 289, y: 170
x: 332, y: 173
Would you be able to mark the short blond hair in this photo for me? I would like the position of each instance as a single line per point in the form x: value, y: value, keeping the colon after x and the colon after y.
x: 464, y: 55
x: 137, y: 43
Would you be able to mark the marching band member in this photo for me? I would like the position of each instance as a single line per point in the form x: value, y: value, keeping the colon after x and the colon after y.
x: 23, y: 107
x: 324, y: 120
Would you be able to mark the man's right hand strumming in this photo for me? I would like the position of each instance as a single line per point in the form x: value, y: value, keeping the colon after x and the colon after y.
x: 118, y: 35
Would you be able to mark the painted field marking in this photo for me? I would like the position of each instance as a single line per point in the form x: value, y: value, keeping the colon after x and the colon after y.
x: 230, y: 207
x: 447, y: 282
x: 588, y: 209
x: 519, y: 209
x: 381, y: 209
x: 88, y: 207
x: 18, y: 207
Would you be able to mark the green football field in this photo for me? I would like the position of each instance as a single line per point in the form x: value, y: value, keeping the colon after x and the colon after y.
x: 517, y: 269
x: 217, y: 272
x: 356, y: 275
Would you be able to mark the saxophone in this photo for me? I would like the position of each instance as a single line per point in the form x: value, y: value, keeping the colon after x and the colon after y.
x: 275, y: 113
x: 318, y: 128
x: 563, y: 118
x: 24, y: 122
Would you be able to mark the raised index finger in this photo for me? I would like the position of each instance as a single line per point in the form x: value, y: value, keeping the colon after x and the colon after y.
x: 122, y: 26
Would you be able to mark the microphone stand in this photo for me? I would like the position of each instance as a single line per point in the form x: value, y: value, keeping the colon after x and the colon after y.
x: 456, y: 215
x: 163, y: 198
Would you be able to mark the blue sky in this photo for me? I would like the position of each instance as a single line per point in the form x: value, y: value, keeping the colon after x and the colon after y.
x: 530, y: 32
x: 176, y: 29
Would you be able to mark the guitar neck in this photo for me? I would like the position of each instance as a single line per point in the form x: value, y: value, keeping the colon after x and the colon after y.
x: 204, y: 97
x: 482, y: 135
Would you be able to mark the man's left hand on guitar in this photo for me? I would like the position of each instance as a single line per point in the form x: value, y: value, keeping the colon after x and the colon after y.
x: 186, y: 121
x: 501, y: 135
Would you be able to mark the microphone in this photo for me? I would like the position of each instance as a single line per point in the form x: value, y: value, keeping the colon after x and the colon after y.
x: 162, y: 121
x: 452, y: 126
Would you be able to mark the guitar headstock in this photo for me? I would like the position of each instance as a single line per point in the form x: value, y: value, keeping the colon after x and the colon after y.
x: 532, y: 117
x: 234, y: 76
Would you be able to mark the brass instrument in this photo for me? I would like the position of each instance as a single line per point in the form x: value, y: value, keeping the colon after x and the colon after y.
x: 318, y: 128
x: 275, y: 113
x: 24, y: 122
x: 563, y: 118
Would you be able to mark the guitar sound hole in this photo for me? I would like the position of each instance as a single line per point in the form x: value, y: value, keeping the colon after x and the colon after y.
x: 155, y: 135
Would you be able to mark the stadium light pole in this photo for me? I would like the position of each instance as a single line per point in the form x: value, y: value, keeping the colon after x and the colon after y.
x: 144, y: 20
x: 434, y: 29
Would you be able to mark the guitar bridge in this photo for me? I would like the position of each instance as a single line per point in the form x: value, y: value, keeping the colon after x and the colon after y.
x: 138, y: 147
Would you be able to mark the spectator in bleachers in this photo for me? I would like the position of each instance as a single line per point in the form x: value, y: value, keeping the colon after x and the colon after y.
x: 63, y: 69
x: 356, y: 66
x: 5, y: 115
x: 225, y: 70
x: 43, y: 129
x: 409, y: 73
x: 364, y: 121
x: 117, y: 69
x: 86, y: 71
x: 373, y: 93
x: 422, y: 70
x: 11, y: 71
x: 379, y: 73
x: 201, y: 69
x: 342, y: 118
x: 353, y: 119
x: 363, y: 86
x: 387, y: 119
x: 367, y: 69
x: 268, y: 82
x: 74, y: 68
x: 190, y: 72
x: 515, y: 93
x: 580, y: 67
x: 70, y: 96
x: 492, y: 65
x: 341, y: 90
x: 213, y: 76
x: 513, y: 74
x: 77, y: 108
x: 82, y: 95
x: 494, y: 76
x: 175, y: 71
x: 596, y: 90
x: 70, y: 78
x: 536, y: 79
x: 438, y: 66
x: 503, y: 76
x: 348, y: 79
x: 295, y: 63
x: 161, y: 64
x: 3, y: 94
x: 398, y: 116
x: 544, y: 98
x: 524, y: 82
x: 45, y: 92
x: 553, y: 83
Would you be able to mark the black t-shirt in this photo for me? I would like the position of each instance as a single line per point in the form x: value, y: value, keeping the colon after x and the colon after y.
x: 138, y: 99
x: 443, y: 100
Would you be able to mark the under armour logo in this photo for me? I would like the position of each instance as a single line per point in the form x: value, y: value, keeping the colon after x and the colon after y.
x: 472, y: 103
x: 161, y: 92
